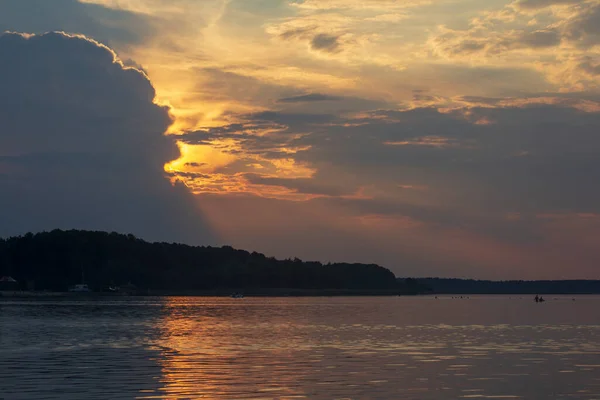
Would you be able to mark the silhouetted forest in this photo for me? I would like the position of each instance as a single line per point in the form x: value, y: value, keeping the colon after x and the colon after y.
x: 56, y: 260
x: 469, y: 286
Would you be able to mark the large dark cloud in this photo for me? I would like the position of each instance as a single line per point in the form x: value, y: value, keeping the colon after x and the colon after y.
x: 82, y: 144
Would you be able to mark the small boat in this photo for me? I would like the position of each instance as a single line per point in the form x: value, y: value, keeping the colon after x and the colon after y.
x: 79, y: 288
x: 237, y: 296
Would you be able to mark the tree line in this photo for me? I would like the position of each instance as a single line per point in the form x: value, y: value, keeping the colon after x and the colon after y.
x: 58, y: 259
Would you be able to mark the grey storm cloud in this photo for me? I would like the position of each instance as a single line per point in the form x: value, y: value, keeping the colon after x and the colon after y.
x: 82, y: 144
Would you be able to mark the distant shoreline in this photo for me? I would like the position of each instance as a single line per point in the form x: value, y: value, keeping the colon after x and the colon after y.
x: 456, y: 286
x: 255, y: 293
x: 207, y: 293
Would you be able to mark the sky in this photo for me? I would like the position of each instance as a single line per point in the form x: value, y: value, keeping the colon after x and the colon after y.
x: 453, y: 138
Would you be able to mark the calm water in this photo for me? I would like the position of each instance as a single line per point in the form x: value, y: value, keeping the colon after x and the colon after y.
x: 294, y: 348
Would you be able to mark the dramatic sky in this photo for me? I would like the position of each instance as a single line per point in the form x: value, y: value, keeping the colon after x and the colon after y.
x: 435, y: 137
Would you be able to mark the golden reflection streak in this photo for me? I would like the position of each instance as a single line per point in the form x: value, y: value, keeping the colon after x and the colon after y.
x: 203, y: 356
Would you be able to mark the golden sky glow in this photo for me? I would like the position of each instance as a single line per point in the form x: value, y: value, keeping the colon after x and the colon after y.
x: 215, y: 60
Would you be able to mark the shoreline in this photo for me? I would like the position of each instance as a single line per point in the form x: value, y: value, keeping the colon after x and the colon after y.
x: 281, y: 293
x: 208, y: 293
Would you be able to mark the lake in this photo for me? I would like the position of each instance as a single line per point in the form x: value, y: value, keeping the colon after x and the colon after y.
x: 497, y: 347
